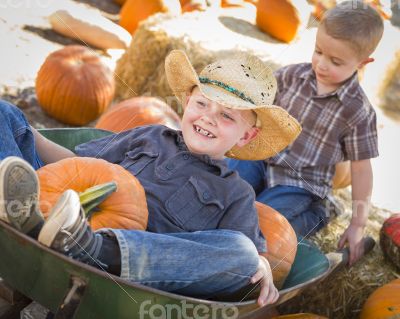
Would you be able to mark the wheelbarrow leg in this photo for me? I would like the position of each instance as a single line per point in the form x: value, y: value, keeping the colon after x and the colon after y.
x: 72, y: 299
x: 11, y: 302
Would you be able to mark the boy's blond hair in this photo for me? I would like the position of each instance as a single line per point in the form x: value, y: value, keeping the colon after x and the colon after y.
x: 357, y: 23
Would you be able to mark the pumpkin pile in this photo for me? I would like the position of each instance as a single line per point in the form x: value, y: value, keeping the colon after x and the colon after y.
x: 281, y: 242
x: 138, y: 111
x: 390, y: 239
x: 74, y: 86
x: 124, y: 209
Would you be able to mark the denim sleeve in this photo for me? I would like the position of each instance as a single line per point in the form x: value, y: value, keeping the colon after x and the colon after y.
x: 113, y: 148
x: 242, y: 216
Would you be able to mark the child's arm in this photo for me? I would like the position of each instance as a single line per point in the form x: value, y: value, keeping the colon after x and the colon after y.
x: 361, y: 176
x: 268, y: 294
x: 49, y: 151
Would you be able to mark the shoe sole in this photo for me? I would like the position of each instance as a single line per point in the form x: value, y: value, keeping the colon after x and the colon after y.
x: 19, y: 201
x: 58, y: 216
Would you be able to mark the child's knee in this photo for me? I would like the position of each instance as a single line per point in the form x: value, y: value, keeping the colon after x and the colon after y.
x: 245, y: 255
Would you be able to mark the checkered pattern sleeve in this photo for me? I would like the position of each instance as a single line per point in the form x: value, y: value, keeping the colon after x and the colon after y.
x: 362, y: 141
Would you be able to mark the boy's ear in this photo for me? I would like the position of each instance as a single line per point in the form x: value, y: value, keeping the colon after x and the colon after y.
x: 248, y: 136
x: 187, y: 99
x: 365, y: 62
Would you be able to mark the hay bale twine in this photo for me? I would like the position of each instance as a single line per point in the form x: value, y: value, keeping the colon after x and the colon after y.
x: 342, y: 295
x: 205, y: 36
x: 390, y: 88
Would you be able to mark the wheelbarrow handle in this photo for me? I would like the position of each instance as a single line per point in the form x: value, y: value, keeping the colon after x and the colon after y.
x: 341, y: 258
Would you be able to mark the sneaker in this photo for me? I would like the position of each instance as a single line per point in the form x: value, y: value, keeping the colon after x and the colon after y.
x: 67, y: 231
x: 19, y: 193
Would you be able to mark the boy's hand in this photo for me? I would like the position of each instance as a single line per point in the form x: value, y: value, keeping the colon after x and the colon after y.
x: 268, y: 294
x: 353, y: 235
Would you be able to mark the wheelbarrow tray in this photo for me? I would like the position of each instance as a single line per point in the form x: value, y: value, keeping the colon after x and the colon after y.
x: 64, y: 285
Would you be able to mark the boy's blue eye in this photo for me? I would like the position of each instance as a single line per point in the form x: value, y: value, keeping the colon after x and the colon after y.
x: 226, y: 116
x: 201, y: 104
x: 336, y: 63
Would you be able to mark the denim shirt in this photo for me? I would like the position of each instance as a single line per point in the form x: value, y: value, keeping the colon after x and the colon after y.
x: 185, y: 192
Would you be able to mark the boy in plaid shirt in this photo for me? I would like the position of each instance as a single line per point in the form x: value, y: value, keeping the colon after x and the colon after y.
x: 338, y: 123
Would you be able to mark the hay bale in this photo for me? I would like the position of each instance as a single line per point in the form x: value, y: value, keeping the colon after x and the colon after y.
x: 205, y: 36
x: 390, y: 88
x: 343, y: 294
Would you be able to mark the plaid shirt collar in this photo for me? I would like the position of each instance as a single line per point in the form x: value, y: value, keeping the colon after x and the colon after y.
x: 345, y: 92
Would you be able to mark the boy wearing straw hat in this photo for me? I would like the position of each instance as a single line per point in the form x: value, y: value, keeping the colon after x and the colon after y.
x: 203, y: 236
x: 338, y: 121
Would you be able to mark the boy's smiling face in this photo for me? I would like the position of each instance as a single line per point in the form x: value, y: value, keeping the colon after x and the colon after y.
x: 212, y: 129
x: 334, y: 61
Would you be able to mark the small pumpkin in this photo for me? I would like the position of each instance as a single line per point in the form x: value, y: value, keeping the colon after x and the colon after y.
x: 124, y: 209
x: 138, y: 111
x: 74, y: 86
x: 383, y: 303
x: 278, y: 18
x: 134, y: 11
x: 342, y: 177
x: 390, y: 239
x: 194, y: 5
x: 232, y: 3
x: 281, y: 242
x: 301, y: 316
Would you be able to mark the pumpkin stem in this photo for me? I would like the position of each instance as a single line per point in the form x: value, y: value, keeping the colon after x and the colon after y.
x: 94, y: 196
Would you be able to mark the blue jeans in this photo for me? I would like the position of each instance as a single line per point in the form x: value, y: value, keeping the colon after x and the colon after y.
x: 202, y: 264
x: 305, y: 211
x: 16, y: 137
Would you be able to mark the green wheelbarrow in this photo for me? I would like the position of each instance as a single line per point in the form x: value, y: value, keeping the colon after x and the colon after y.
x: 70, y: 289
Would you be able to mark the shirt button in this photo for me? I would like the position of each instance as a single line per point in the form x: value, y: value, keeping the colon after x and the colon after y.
x: 185, y: 157
x: 206, y: 195
x: 170, y: 166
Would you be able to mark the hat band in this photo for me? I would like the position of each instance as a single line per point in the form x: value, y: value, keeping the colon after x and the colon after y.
x: 227, y: 88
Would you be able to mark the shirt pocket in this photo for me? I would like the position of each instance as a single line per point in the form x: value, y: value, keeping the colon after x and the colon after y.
x: 136, y: 161
x: 193, y: 206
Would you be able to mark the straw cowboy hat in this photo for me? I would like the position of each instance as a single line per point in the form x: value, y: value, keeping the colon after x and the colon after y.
x: 241, y: 82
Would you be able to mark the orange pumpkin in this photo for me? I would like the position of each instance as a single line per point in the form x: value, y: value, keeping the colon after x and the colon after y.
x: 134, y: 11
x: 74, y: 86
x: 184, y: 2
x: 125, y: 209
x: 342, y: 177
x: 278, y: 18
x: 138, y: 111
x: 194, y: 5
x: 383, y: 303
x: 281, y: 242
x: 232, y: 3
x: 301, y: 316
